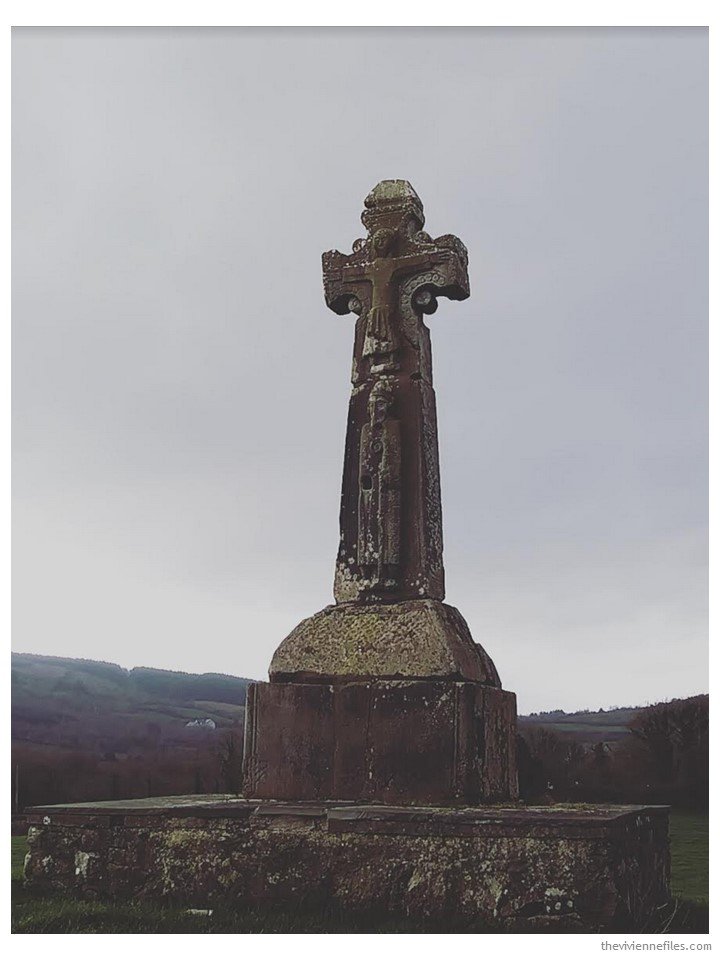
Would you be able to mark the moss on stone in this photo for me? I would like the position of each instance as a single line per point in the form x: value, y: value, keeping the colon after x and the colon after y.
x: 412, y: 639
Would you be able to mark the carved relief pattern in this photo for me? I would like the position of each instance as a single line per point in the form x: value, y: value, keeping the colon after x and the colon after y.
x: 433, y: 502
x: 379, y: 491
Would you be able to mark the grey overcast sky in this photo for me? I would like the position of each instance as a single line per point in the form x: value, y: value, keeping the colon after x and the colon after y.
x: 180, y: 389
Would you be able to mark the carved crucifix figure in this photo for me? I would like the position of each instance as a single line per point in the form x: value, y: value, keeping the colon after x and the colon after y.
x: 390, y: 514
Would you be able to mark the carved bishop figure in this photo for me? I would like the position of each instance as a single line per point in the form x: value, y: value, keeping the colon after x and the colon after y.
x: 380, y: 473
x: 390, y: 513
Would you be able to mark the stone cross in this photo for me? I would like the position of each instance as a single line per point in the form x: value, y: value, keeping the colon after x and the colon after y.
x: 384, y: 696
x: 390, y: 513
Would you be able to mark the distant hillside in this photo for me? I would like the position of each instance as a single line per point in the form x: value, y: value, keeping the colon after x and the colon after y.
x: 140, y: 683
x: 87, y: 730
x: 84, y: 729
x: 586, y: 726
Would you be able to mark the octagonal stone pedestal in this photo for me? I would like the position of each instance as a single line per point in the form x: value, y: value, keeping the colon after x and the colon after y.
x: 388, y: 703
x: 508, y: 868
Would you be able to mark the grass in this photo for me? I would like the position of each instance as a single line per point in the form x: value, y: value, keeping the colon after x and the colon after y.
x: 18, y: 849
x: 52, y: 914
x: 689, y: 853
x: 43, y: 913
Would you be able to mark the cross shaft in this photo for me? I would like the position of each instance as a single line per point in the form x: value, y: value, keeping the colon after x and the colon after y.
x: 390, y: 515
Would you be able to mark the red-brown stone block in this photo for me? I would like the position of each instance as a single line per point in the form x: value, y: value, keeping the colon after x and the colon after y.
x: 439, y: 742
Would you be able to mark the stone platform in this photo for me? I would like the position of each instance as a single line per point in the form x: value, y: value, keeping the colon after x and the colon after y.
x: 511, y: 868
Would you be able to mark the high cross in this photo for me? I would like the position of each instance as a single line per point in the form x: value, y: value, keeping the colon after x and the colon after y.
x: 390, y: 512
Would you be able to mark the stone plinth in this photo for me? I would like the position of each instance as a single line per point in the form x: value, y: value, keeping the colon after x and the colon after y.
x: 421, y: 741
x: 388, y: 703
x: 583, y: 869
x: 393, y: 641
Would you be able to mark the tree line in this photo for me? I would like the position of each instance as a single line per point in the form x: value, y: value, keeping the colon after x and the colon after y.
x: 663, y: 759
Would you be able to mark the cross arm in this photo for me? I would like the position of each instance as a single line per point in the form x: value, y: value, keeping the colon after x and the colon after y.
x: 448, y: 263
x: 343, y: 280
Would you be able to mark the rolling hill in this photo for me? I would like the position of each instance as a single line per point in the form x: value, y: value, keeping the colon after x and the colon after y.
x: 84, y: 729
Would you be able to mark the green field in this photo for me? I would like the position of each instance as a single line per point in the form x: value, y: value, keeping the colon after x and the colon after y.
x: 689, y: 853
x: 32, y: 913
